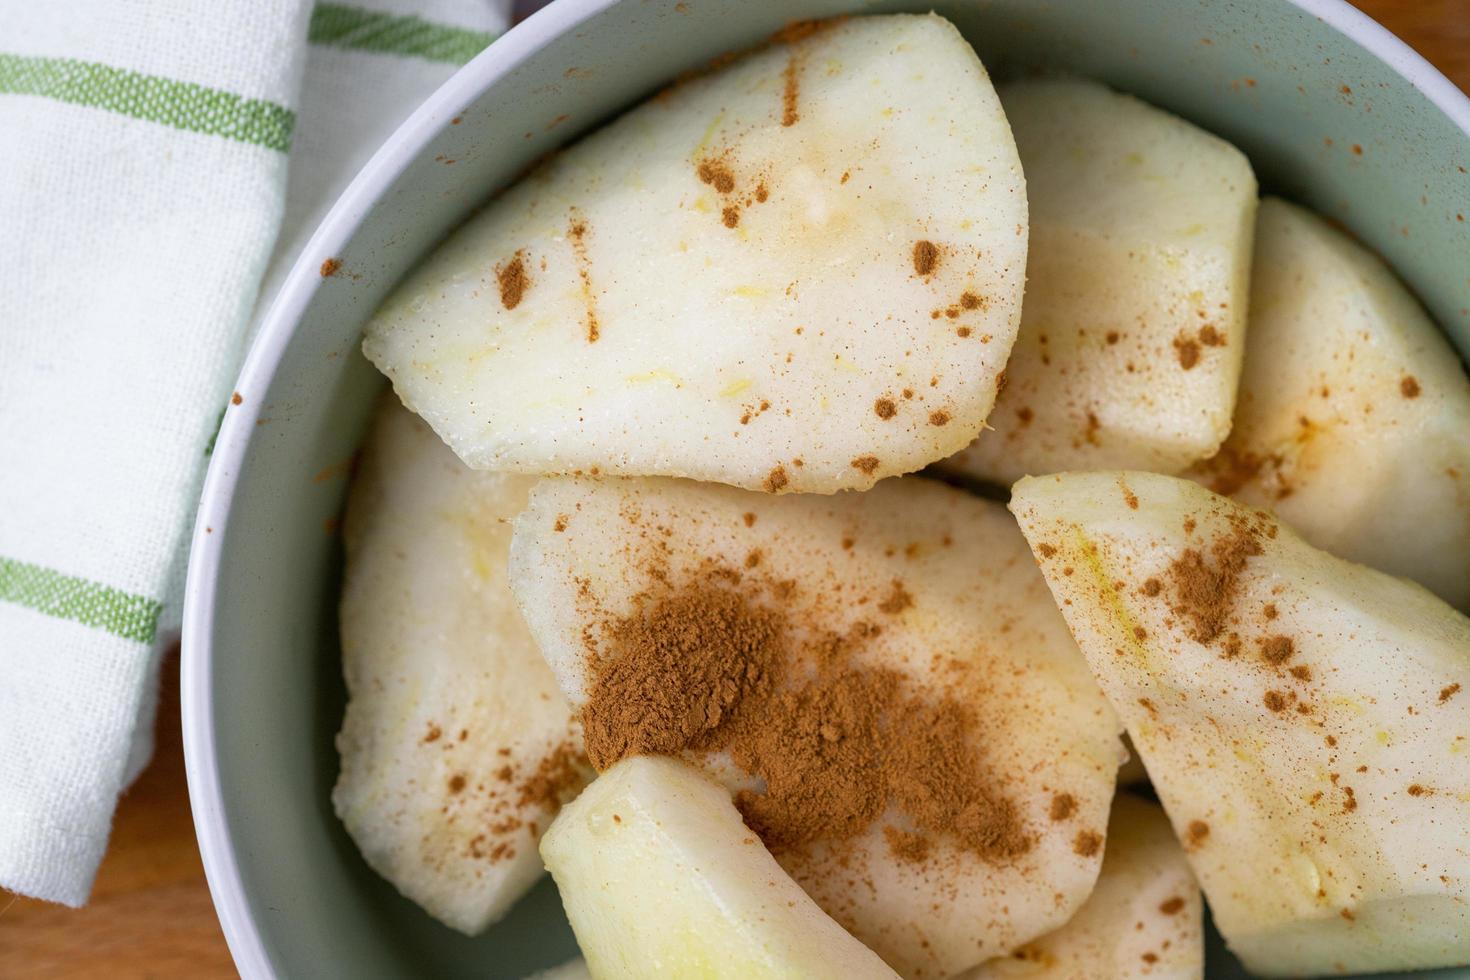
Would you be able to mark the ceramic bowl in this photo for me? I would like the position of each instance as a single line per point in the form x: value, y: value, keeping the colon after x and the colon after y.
x: 1333, y: 111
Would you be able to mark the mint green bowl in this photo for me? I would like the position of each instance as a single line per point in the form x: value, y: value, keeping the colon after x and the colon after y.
x: 1333, y: 111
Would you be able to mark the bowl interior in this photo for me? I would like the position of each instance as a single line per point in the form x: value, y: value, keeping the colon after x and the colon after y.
x: 1325, y: 122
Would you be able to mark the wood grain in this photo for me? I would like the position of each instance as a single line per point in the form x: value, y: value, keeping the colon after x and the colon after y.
x: 1437, y: 29
x: 150, y: 914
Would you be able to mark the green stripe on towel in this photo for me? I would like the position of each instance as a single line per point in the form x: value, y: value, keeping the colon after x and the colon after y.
x: 341, y: 26
x: 182, y: 105
x: 132, y: 617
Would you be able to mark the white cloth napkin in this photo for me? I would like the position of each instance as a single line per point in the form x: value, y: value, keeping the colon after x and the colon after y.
x: 161, y: 164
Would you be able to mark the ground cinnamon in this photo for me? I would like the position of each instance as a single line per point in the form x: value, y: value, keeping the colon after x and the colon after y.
x: 555, y: 779
x: 513, y: 281
x: 677, y: 671
x: 1204, y: 587
x: 926, y: 257
x: 837, y: 743
x: 577, y: 235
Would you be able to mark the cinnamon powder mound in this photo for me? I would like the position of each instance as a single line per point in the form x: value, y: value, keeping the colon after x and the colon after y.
x: 837, y: 743
x: 926, y: 257
x: 1204, y: 588
x: 674, y: 673
x: 512, y: 280
x: 836, y: 753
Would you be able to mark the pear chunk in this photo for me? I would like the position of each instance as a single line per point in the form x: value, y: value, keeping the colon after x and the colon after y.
x: 1353, y: 423
x: 660, y: 878
x: 1142, y: 921
x: 912, y: 577
x: 1304, y: 719
x: 457, y: 744
x: 1134, y: 320
x: 754, y: 278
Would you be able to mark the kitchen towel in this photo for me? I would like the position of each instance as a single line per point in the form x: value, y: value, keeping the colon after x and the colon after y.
x: 162, y: 162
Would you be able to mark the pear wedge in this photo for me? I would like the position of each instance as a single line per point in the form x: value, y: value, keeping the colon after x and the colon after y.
x: 940, y: 586
x: 1304, y: 719
x: 1353, y: 423
x: 660, y: 878
x: 1134, y: 320
x: 1142, y: 922
x: 799, y: 272
x: 457, y: 744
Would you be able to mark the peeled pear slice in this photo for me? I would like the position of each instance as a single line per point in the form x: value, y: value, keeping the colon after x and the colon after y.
x: 801, y: 271
x: 457, y: 744
x: 1354, y: 417
x: 1134, y: 321
x: 944, y: 588
x: 1142, y: 921
x: 660, y: 878
x: 1305, y: 720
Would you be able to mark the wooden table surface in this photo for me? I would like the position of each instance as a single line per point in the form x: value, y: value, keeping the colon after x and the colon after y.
x: 150, y: 914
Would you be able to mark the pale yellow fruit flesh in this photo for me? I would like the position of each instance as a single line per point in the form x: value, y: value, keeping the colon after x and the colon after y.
x: 446, y: 688
x: 660, y: 878
x: 1142, y: 921
x: 729, y: 282
x: 1134, y: 316
x: 1314, y: 756
x: 1353, y: 422
x: 585, y: 550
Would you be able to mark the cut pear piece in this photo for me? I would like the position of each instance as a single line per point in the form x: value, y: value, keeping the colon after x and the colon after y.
x: 1134, y: 321
x: 912, y: 577
x: 1142, y: 920
x: 752, y: 279
x: 457, y: 745
x: 660, y: 878
x: 1304, y: 719
x: 1354, y: 416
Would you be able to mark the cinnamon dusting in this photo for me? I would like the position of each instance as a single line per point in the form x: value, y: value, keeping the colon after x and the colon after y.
x: 1063, y: 805
x: 1187, y: 350
x: 926, y: 257
x: 1204, y: 589
x: 703, y: 667
x: 717, y: 174
x: 513, y: 280
x: 1276, y: 649
x: 791, y: 93
x: 577, y: 233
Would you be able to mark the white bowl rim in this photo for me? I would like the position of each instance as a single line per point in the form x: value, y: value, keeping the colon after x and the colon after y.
x: 211, y: 825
